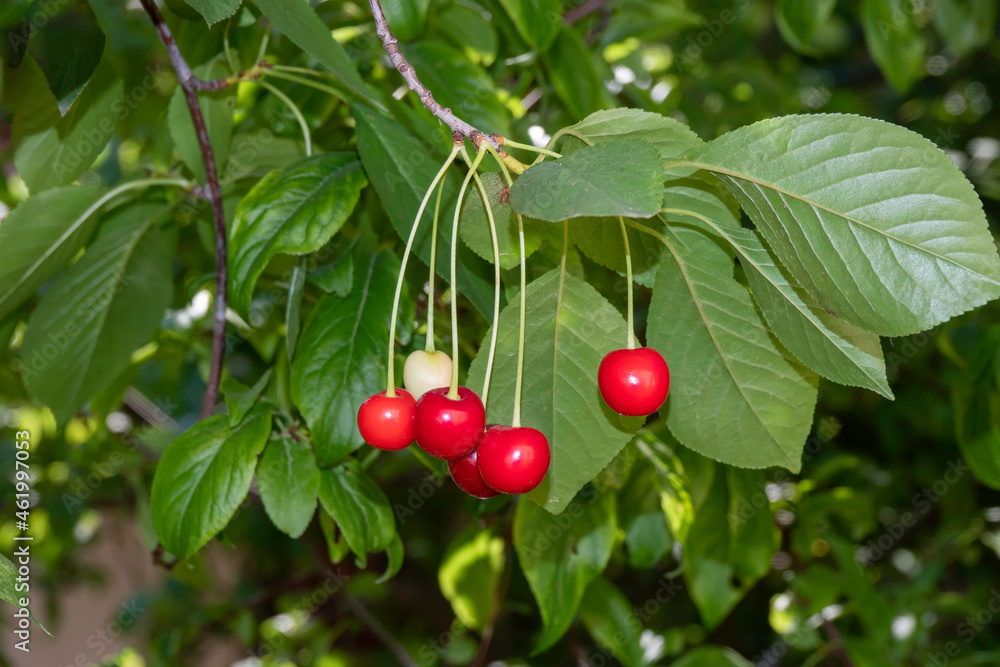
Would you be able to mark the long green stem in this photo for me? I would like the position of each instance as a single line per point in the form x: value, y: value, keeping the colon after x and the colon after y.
x: 390, y: 388
x: 628, y: 276
x: 496, y: 279
x: 306, y: 134
x: 429, y: 347
x: 262, y: 51
x: 303, y: 70
x: 233, y: 68
x: 519, y: 381
x: 305, y: 82
x: 453, y: 390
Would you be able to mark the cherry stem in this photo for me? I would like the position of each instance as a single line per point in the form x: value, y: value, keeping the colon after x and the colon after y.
x: 630, y: 343
x: 390, y: 382
x: 306, y: 135
x: 453, y: 390
x: 530, y: 148
x: 429, y: 347
x: 496, y: 278
x: 516, y: 420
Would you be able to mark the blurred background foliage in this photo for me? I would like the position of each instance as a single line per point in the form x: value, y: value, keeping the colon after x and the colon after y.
x: 883, y: 551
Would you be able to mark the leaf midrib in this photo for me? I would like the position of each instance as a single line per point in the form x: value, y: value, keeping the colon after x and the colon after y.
x: 805, y: 200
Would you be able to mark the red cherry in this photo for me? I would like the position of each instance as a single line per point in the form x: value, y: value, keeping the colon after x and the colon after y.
x: 386, y: 422
x: 465, y: 472
x: 449, y: 428
x: 513, y: 459
x: 634, y: 382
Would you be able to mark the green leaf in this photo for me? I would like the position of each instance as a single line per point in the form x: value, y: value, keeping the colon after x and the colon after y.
x: 569, y: 328
x: 871, y: 606
x: 711, y: 656
x: 359, y: 507
x: 735, y: 395
x: 341, y: 356
x: 217, y: 112
x: 832, y: 347
x: 894, y: 40
x: 297, y: 20
x: 9, y: 591
x: 474, y: 226
x: 577, y: 75
x: 538, y: 21
x: 203, y: 477
x: 470, y: 574
x: 294, y: 210
x: 214, y: 11
x: 965, y: 24
x: 406, y: 18
x: 67, y: 48
x: 561, y: 554
x: 621, y: 177
x: 751, y: 524
x: 670, y: 137
x: 798, y: 20
x: 875, y: 222
x: 459, y: 84
x: 336, y: 277
x: 52, y: 150
x: 288, y: 480
x: 608, y: 616
x: 240, y: 398
x: 401, y: 168
x: 469, y: 28
x: 975, y: 399
x: 97, y: 313
x: 40, y: 236
x: 672, y: 485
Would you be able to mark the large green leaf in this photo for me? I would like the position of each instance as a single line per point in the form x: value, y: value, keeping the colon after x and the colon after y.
x: 299, y: 22
x: 671, y: 137
x: 470, y: 574
x: 203, y: 477
x: 827, y: 344
x: 40, y: 236
x: 288, y: 480
x: 894, y: 40
x: 294, y: 210
x: 67, y: 47
x: 608, y: 616
x: 214, y: 11
x: 98, y: 312
x: 798, y: 20
x: 401, y: 168
x: 216, y: 111
x: 475, y: 228
x: 538, y: 21
x: 736, y: 396
x: 568, y: 329
x: 561, y: 554
x: 52, y: 150
x: 622, y: 177
x: 875, y: 222
x: 359, y: 507
x: 341, y: 356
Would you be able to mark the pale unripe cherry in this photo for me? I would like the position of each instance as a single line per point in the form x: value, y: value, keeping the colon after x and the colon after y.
x: 425, y: 371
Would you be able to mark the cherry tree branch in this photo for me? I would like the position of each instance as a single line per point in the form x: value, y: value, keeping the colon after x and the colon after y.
x: 456, y: 124
x: 190, y: 84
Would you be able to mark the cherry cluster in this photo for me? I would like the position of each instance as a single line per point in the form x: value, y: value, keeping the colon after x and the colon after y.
x: 448, y: 421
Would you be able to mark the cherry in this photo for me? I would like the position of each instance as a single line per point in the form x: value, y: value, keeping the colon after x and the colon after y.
x: 465, y: 472
x: 513, y: 459
x: 634, y: 382
x: 386, y: 422
x: 424, y: 371
x: 449, y: 428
